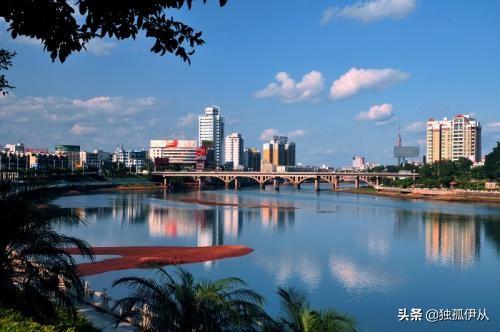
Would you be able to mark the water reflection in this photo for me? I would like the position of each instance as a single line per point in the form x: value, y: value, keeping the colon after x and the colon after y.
x: 285, y: 266
x: 378, y: 245
x: 367, y: 254
x: 451, y: 240
x: 213, y: 221
x: 357, y: 277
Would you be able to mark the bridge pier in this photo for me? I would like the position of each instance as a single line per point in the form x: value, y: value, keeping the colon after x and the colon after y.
x: 336, y: 183
x: 262, y: 186
x: 165, y: 182
x: 377, y: 181
x: 226, y: 185
x: 236, y: 184
x: 356, y: 182
x: 276, y: 184
x: 199, y: 181
x: 316, y: 184
x: 297, y: 185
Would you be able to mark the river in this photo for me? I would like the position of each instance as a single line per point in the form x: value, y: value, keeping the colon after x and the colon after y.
x: 364, y: 255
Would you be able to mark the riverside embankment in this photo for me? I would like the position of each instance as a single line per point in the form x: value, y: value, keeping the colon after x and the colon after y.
x: 448, y: 195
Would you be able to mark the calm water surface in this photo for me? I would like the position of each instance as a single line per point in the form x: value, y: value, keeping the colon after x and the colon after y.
x: 365, y: 255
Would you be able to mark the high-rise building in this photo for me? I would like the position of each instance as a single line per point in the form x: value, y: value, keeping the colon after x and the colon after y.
x: 234, y: 151
x: 290, y: 154
x: 251, y: 157
x: 451, y: 139
x: 278, y: 152
x: 358, y: 162
x: 211, y: 130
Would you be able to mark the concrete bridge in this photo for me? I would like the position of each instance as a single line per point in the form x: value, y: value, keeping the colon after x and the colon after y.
x: 296, y: 178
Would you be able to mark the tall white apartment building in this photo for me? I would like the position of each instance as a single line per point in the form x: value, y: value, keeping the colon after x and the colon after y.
x: 234, y: 150
x: 451, y: 139
x: 211, y: 132
x: 358, y: 162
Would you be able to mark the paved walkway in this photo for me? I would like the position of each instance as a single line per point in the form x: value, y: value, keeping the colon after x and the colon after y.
x: 103, y: 321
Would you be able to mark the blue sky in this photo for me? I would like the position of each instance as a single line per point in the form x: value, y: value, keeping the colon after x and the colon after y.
x: 337, y: 76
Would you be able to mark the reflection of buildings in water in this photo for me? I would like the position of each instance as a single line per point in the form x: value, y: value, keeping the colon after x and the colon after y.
x: 208, y: 226
x: 129, y: 208
x: 170, y: 222
x: 451, y: 240
x: 407, y: 223
x: 212, y: 226
x: 276, y: 217
x: 92, y: 215
x: 232, y: 225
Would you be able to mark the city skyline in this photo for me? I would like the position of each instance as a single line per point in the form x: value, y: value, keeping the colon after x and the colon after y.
x: 296, y: 85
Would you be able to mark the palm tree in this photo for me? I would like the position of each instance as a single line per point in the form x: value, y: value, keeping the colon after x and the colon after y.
x: 298, y: 317
x: 33, y: 261
x: 179, y: 303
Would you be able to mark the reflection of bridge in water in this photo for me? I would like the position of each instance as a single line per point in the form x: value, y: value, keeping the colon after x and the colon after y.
x: 295, y: 178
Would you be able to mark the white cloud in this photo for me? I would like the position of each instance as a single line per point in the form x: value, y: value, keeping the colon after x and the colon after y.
x: 371, y: 11
x: 100, y: 47
x: 289, y: 91
x: 104, y: 121
x: 381, y: 114
x: 493, y: 127
x: 356, y: 80
x: 416, y: 127
x: 296, y: 133
x: 115, y: 104
x: 99, y: 103
x: 82, y: 130
x: 187, y: 121
x: 328, y: 15
x: 268, y: 134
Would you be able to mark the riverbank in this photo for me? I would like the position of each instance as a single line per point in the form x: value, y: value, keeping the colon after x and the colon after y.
x: 447, y: 195
x: 155, y: 256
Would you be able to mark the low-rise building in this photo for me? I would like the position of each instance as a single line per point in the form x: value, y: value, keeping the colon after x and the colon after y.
x: 17, y: 148
x: 46, y: 161
x: 130, y: 158
x: 491, y: 185
x: 72, y: 152
x: 96, y: 159
x: 180, y: 153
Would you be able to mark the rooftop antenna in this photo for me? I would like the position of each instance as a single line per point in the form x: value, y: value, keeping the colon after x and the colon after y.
x: 399, y: 141
x: 398, y: 144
